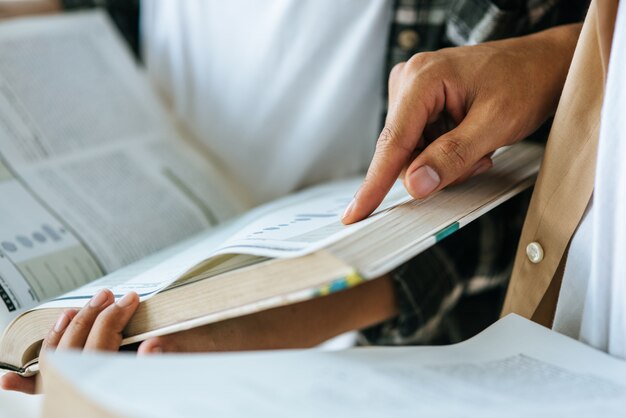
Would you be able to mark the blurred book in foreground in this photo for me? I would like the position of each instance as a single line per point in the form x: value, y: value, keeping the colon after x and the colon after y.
x: 515, y: 368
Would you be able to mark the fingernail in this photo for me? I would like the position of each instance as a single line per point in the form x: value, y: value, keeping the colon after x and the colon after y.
x: 99, y: 299
x: 156, y: 349
x: 62, y: 323
x: 348, y: 210
x: 424, y: 181
x: 126, y: 301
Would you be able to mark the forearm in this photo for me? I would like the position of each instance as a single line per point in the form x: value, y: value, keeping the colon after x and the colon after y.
x: 547, y: 55
x: 312, y: 322
x: 557, y: 50
x: 299, y: 325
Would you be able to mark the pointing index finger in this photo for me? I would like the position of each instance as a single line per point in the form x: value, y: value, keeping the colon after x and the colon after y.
x: 395, y: 145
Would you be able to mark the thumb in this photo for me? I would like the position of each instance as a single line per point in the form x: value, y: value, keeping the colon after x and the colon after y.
x: 453, y: 157
x: 156, y: 345
x: 17, y: 383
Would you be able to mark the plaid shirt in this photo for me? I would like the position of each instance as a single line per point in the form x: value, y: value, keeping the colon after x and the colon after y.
x: 455, y: 289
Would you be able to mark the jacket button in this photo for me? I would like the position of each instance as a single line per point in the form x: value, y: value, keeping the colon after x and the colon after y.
x: 408, y: 39
x: 534, y: 251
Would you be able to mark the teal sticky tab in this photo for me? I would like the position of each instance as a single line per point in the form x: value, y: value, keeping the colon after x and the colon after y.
x: 447, y: 231
x: 338, y: 285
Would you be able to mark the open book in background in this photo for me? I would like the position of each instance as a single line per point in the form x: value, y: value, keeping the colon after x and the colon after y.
x: 515, y: 368
x: 97, y: 179
x: 94, y: 173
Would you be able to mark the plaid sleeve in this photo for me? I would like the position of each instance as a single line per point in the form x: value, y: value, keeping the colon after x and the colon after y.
x: 419, y: 26
x: 430, y: 288
x: 475, y: 21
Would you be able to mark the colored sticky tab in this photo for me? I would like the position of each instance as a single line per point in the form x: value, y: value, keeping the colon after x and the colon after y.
x: 350, y: 280
x: 447, y: 231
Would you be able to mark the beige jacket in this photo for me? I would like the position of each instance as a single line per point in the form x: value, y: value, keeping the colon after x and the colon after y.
x: 565, y: 182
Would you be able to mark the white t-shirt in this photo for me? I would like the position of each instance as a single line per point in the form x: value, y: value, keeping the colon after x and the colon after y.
x: 285, y: 92
x: 592, y: 302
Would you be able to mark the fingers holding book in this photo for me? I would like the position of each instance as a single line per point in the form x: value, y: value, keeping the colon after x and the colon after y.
x: 97, y: 327
x: 56, y: 333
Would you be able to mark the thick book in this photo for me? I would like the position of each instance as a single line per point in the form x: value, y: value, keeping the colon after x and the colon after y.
x: 515, y: 368
x: 102, y: 187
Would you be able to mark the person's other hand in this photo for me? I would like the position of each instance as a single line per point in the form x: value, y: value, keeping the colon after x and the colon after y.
x: 450, y: 109
x: 97, y: 326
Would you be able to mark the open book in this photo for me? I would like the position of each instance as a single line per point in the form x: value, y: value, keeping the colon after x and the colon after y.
x: 102, y: 188
x: 515, y: 368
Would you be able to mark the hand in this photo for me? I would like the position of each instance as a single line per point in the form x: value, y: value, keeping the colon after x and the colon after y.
x: 450, y: 109
x: 15, y: 8
x: 97, y: 326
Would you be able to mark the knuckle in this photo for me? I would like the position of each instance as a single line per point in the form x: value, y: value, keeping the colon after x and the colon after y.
x: 454, y: 152
x: 397, y: 70
x: 432, y: 66
x: 389, y: 144
x: 112, y: 319
x: 49, y: 341
x: 420, y: 60
x: 51, y: 336
x: 81, y: 322
x: 386, y: 138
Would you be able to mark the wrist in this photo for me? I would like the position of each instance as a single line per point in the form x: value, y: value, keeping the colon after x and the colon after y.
x: 547, y: 55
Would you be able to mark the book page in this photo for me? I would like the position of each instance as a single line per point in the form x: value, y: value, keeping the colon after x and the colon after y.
x: 39, y: 257
x: 305, y: 222
x: 152, y: 274
x: 515, y: 368
x: 93, y: 174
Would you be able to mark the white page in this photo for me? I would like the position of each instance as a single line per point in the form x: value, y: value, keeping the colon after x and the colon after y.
x: 83, y: 131
x: 128, y: 201
x: 305, y: 222
x: 149, y: 275
x: 154, y: 273
x: 515, y: 369
x: 34, y: 249
x: 93, y: 174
